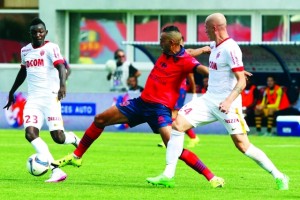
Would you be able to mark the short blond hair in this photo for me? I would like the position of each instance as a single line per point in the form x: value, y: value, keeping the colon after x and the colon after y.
x: 173, y: 33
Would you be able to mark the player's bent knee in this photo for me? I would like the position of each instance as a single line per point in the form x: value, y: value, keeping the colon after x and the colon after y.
x: 58, y: 136
x: 102, y: 120
x: 30, y: 136
x: 181, y: 125
x: 176, y: 126
x: 31, y: 133
x: 99, y: 121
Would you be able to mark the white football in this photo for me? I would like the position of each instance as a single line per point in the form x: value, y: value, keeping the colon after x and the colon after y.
x: 37, y: 164
x: 111, y: 66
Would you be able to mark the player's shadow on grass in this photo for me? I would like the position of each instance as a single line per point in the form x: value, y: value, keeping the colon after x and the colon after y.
x: 124, y: 185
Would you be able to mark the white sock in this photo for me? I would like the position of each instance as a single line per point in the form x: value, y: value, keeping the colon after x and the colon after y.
x: 262, y: 160
x: 174, y: 150
x: 70, y: 138
x: 41, y: 147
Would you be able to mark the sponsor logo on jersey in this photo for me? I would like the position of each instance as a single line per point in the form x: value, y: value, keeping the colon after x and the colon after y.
x: 25, y: 50
x: 213, y: 65
x: 161, y: 69
x: 231, y: 121
x: 54, y: 119
x: 163, y: 64
x: 35, y: 63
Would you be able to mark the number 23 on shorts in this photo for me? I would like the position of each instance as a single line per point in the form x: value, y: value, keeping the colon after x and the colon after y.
x: 31, y: 119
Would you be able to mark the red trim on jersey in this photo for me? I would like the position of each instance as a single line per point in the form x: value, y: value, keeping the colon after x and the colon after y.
x: 222, y: 41
x: 23, y: 66
x: 238, y: 69
x: 58, y: 62
x: 40, y: 46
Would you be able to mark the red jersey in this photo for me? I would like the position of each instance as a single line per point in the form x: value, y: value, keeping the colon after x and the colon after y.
x: 165, y: 78
x: 248, y: 96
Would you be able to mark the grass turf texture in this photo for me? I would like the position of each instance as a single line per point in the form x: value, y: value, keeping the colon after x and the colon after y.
x: 116, y: 165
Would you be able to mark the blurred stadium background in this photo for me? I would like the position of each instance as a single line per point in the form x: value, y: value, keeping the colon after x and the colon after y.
x: 88, y: 33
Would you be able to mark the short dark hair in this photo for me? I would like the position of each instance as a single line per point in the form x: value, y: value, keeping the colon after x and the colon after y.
x: 37, y: 21
x: 170, y: 29
x: 133, y: 77
x: 116, y: 54
x: 272, y: 77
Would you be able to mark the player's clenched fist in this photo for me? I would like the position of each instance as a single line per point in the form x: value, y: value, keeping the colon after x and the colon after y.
x: 61, y: 93
x: 11, y: 100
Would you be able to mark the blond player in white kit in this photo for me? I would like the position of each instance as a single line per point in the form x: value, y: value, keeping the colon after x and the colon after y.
x: 43, y: 65
x: 221, y: 102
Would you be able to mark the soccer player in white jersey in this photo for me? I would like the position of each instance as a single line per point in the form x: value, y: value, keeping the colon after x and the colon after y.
x: 43, y: 65
x: 221, y: 102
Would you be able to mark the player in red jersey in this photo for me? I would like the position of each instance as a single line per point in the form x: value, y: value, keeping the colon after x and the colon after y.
x: 153, y: 106
x: 222, y: 102
x: 194, y: 139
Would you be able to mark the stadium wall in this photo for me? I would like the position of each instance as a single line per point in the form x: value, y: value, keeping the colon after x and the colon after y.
x: 54, y: 13
x: 58, y: 14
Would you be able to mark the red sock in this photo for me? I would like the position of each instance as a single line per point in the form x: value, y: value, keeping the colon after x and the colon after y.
x: 191, y: 133
x: 194, y: 162
x: 90, y: 135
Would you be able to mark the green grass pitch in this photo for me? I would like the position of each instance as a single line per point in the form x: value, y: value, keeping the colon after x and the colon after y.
x: 117, y: 164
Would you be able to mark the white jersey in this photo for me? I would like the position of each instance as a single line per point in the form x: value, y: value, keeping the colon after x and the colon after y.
x: 224, y: 59
x: 42, y: 76
x: 120, y: 76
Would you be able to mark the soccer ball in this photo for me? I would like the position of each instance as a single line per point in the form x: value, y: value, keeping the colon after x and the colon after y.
x: 111, y: 66
x: 37, y: 164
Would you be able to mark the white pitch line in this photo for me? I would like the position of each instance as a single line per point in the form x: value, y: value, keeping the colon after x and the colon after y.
x: 283, y: 145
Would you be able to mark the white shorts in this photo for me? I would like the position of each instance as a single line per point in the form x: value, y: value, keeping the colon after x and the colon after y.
x: 40, y: 109
x: 205, y: 109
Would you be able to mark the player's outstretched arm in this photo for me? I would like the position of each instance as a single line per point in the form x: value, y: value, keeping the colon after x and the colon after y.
x: 62, y: 78
x: 202, y: 69
x: 68, y: 69
x: 199, y: 51
x: 68, y: 72
x: 18, y: 81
